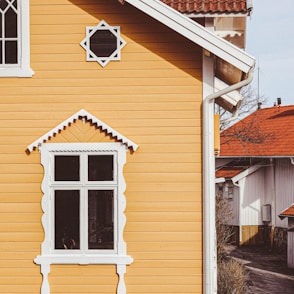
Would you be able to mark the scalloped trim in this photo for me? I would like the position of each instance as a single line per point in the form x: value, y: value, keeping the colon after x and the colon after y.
x: 83, y: 115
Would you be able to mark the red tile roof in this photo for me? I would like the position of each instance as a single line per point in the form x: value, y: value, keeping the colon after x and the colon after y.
x: 228, y: 172
x: 208, y: 6
x: 289, y: 212
x: 266, y: 132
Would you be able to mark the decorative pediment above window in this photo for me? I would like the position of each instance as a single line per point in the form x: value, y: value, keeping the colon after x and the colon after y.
x: 84, y: 116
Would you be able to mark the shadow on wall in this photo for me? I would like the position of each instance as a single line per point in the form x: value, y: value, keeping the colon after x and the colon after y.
x: 139, y: 28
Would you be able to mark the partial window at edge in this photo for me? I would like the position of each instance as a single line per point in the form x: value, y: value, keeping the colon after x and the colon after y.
x: 14, y: 39
x: 9, y: 35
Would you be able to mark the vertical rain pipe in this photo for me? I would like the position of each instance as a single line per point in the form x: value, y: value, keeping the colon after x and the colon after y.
x: 209, y: 232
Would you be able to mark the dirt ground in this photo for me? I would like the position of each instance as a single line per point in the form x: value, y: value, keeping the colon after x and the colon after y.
x: 268, y: 272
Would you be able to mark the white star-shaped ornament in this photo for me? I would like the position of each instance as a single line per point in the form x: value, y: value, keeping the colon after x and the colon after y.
x: 103, y: 43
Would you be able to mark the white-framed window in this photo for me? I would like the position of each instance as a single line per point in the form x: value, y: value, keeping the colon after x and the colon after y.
x: 83, y: 188
x: 103, y: 43
x: 83, y: 205
x: 14, y: 39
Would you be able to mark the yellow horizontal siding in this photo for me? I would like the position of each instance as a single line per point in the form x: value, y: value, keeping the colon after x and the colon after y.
x: 152, y: 96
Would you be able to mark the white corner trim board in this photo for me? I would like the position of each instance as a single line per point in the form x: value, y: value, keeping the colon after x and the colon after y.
x: 84, y: 115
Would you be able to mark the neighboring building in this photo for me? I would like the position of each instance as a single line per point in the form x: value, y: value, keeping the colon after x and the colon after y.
x: 289, y: 214
x: 103, y: 107
x: 255, y: 172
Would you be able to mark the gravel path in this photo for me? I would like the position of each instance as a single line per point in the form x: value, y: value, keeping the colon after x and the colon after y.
x: 268, y: 272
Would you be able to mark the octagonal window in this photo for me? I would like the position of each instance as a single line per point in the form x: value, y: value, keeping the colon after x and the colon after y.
x: 103, y: 43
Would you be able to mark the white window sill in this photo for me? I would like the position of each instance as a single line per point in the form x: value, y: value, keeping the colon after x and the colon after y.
x: 16, y: 72
x: 84, y: 259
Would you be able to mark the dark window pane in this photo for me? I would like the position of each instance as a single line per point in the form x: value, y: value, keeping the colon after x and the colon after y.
x: 0, y: 25
x: 3, y: 4
x: 11, y: 52
x: 100, y: 219
x: 67, y: 219
x: 1, y: 59
x: 67, y: 168
x: 100, y: 167
x: 103, y: 43
x: 10, y: 24
x: 15, y: 4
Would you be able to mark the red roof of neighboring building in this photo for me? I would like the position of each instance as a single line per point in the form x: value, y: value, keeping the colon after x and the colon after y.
x: 228, y: 172
x: 208, y: 6
x: 266, y: 132
x: 289, y: 212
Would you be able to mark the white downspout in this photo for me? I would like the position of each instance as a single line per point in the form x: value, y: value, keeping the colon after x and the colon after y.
x: 209, y: 232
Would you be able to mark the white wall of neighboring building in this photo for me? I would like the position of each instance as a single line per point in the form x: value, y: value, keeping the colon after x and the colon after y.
x: 284, y: 188
x: 272, y: 184
x: 252, y: 197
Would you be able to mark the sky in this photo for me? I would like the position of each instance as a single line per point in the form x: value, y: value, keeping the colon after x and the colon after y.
x: 270, y: 39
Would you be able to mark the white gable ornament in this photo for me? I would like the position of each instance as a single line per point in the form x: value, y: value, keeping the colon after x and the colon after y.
x: 84, y: 116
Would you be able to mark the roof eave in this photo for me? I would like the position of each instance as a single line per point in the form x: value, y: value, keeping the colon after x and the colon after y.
x: 246, y: 172
x: 215, y: 14
x: 196, y: 33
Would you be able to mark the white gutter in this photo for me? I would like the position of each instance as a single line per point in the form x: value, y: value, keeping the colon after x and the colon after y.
x: 209, y: 232
x: 232, y: 118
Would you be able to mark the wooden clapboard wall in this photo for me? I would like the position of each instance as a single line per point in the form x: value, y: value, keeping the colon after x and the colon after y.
x: 153, y: 97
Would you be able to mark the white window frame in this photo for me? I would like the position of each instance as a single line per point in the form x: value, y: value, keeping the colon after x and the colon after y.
x: 86, y: 43
x: 22, y: 68
x: 49, y: 255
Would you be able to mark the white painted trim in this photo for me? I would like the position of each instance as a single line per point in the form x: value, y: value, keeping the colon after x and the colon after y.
x: 83, y: 114
x: 91, y: 56
x: 209, y: 230
x: 84, y: 259
x: 49, y: 255
x: 215, y: 15
x: 231, y: 34
x: 23, y: 69
x: 246, y: 173
x: 220, y: 180
x: 196, y: 33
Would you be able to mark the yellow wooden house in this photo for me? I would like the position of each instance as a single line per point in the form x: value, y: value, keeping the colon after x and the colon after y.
x: 106, y: 142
